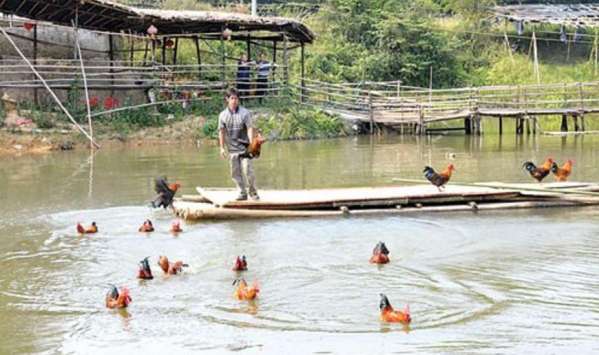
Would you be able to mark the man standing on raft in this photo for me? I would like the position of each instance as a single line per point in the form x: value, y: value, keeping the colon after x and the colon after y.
x: 236, y: 127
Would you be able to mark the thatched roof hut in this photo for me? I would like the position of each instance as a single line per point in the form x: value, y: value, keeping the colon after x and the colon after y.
x: 104, y: 15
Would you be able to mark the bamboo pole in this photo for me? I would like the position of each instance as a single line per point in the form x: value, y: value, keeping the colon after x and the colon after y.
x: 507, y: 187
x: 48, y: 88
x: 536, y: 58
x: 35, y: 97
x: 87, y: 104
x: 111, y: 57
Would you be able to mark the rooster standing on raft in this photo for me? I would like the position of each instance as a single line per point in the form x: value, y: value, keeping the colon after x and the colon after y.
x: 540, y: 172
x: 562, y: 174
x: 438, y: 179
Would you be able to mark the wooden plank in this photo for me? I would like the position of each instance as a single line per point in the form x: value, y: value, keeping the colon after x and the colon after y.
x: 354, y: 197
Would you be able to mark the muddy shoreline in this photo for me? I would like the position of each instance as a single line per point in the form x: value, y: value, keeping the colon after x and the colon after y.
x: 18, y: 142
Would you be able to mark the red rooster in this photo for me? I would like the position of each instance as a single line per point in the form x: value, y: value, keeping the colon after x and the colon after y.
x: 562, y: 174
x: 144, y: 272
x: 438, y: 179
x: 176, y: 227
x: 170, y: 268
x: 254, y: 148
x: 166, y: 192
x: 389, y: 315
x: 538, y: 173
x: 240, y: 264
x: 380, y: 254
x: 116, y: 299
x: 89, y: 230
x: 146, y: 227
x: 245, y: 292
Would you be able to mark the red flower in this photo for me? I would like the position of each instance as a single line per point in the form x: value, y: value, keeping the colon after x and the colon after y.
x: 28, y: 26
x: 110, y: 103
x: 94, y: 101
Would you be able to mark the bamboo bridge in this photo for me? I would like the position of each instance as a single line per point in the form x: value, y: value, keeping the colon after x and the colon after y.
x: 389, y: 105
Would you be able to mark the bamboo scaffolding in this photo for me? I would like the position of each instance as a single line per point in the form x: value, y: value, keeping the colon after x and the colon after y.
x: 48, y: 88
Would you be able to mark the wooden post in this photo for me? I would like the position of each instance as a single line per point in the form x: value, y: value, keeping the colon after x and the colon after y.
x: 582, y: 126
x: 175, y: 51
x: 146, y: 52
x: 35, y: 97
x: 500, y: 125
x: 370, y: 112
x: 468, y: 125
x: 421, y: 124
x: 285, y: 61
x: 111, y: 57
x: 199, y: 58
x: 564, y: 127
x: 164, y: 39
x: 223, y: 57
x: 519, y: 125
x: 575, y: 119
x: 248, y: 48
x: 535, y: 125
x: 527, y: 123
x: 132, y: 49
x: 581, y: 97
x: 303, y: 72
x: 153, y: 51
x: 274, y: 60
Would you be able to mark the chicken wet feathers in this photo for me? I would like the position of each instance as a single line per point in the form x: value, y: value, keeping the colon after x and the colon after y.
x: 166, y: 192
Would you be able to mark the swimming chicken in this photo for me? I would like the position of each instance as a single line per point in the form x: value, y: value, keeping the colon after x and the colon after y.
x: 388, y: 314
x: 240, y: 264
x: 254, y: 148
x: 89, y: 230
x: 380, y: 254
x: 145, y: 273
x: 176, y: 227
x: 245, y: 292
x: 166, y: 192
x: 538, y: 173
x: 146, y: 227
x: 116, y: 299
x: 562, y: 174
x: 170, y: 268
x: 438, y: 179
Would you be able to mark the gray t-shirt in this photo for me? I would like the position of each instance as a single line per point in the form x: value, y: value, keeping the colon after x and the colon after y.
x: 236, y: 126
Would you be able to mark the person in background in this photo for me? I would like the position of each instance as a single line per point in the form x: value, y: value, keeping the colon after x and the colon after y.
x: 264, y: 67
x: 243, y: 76
x: 236, y: 129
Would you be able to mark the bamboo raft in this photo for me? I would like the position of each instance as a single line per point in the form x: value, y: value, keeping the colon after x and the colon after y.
x: 220, y: 204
